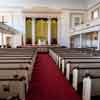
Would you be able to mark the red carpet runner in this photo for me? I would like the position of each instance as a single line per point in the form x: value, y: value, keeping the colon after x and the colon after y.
x: 48, y: 83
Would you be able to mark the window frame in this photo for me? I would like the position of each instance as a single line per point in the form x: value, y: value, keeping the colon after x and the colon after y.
x: 93, y: 12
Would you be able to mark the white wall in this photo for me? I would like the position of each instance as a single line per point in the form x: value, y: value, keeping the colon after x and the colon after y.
x: 14, y: 20
x: 77, y: 42
x: 11, y: 3
x: 0, y: 38
x: 17, y: 23
x: 16, y: 40
x: 84, y: 41
x: 64, y: 35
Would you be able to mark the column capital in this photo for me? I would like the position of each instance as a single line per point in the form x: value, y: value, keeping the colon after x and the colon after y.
x: 33, y: 18
x: 49, y: 18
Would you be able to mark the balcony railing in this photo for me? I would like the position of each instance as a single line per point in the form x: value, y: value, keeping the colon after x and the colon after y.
x: 86, y: 25
x: 5, y: 28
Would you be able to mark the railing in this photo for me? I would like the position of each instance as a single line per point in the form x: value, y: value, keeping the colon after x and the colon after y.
x: 7, y: 28
x: 86, y: 26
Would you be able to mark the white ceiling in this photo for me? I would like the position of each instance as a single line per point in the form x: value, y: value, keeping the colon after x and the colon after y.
x: 61, y: 3
x: 92, y: 2
x: 71, y: 4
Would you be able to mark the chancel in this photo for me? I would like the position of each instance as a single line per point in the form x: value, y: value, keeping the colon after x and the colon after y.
x: 50, y: 50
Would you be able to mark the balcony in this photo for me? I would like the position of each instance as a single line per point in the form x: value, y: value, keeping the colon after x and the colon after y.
x: 7, y: 29
x: 87, y: 27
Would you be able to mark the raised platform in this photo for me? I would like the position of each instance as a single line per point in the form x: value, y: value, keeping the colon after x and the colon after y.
x: 42, y: 48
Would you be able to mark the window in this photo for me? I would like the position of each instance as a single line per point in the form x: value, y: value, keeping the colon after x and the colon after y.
x: 76, y: 19
x: 95, y: 14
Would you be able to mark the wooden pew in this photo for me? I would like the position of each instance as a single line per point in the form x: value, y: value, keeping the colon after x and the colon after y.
x: 65, y: 53
x: 91, y: 87
x: 10, y: 87
x: 69, y: 64
x: 15, y: 72
x: 14, y: 64
x: 80, y: 70
x: 30, y: 59
x: 27, y: 63
x: 83, y: 62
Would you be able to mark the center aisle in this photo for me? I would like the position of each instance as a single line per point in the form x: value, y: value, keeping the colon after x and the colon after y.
x: 48, y: 83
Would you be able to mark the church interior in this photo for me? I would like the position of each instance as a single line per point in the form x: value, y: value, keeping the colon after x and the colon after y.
x: 50, y: 50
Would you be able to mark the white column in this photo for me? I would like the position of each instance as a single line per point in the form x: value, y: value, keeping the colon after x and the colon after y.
x: 58, y: 30
x: 49, y: 31
x: 98, y: 45
x: 24, y: 31
x: 80, y: 41
x: 2, y: 40
x: 33, y: 31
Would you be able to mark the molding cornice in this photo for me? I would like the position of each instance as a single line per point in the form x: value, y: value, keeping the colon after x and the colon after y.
x: 68, y: 9
x: 46, y: 9
x: 93, y: 6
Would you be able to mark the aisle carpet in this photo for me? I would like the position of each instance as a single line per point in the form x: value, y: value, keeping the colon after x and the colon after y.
x: 48, y: 83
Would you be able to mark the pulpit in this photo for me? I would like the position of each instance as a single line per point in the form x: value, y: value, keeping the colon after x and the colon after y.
x: 41, y: 42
